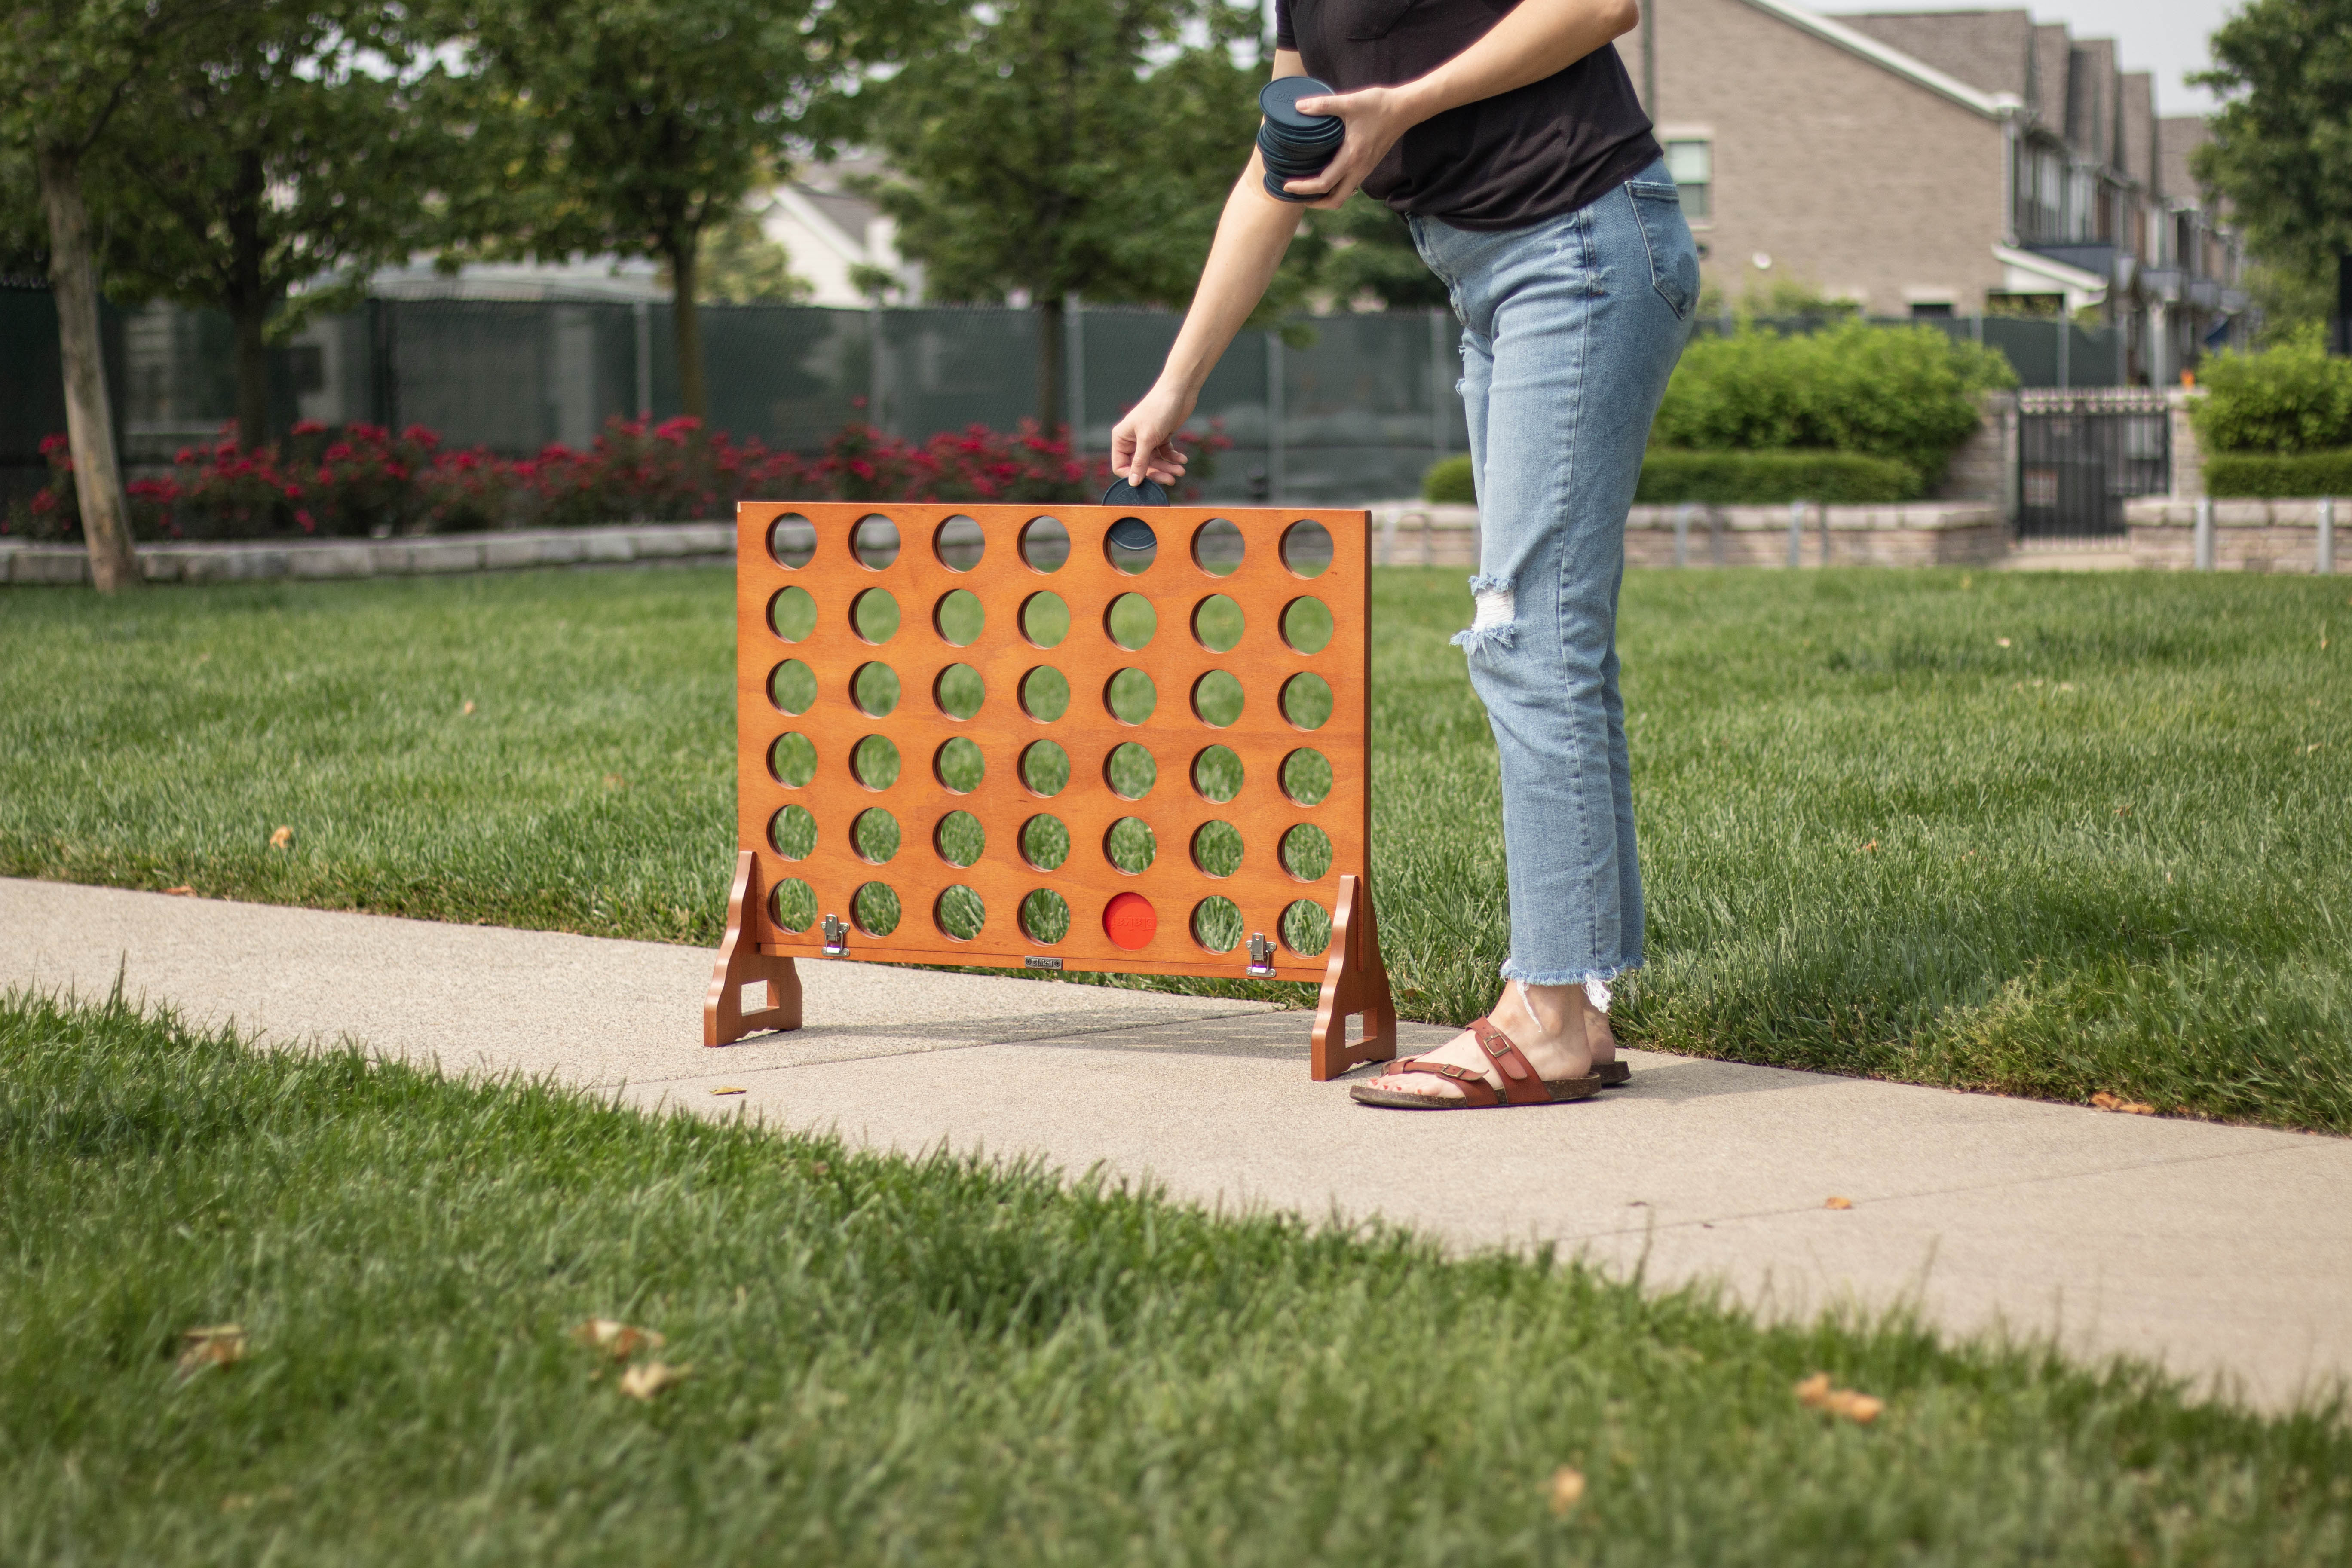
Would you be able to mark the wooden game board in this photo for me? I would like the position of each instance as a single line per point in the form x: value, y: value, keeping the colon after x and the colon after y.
x: 870, y: 828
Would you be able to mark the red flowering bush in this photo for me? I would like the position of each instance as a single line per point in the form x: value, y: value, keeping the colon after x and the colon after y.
x: 361, y: 480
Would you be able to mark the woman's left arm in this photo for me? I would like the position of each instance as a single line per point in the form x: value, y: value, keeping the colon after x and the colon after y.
x: 1535, y: 39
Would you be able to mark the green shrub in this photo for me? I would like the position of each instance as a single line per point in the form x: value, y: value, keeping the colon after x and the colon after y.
x: 1905, y: 393
x: 1735, y: 478
x: 2279, y: 474
x: 2291, y: 398
x: 1448, y: 482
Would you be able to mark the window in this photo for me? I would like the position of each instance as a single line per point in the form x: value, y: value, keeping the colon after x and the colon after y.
x: 1931, y: 309
x: 1692, y: 164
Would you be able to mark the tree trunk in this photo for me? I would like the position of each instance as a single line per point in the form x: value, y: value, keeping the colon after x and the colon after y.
x: 90, y: 419
x: 693, y: 394
x: 252, y: 379
x: 1051, y: 413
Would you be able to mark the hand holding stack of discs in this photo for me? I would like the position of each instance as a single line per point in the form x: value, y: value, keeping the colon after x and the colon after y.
x: 1296, y: 146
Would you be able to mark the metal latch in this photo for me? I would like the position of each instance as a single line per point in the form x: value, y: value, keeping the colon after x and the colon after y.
x: 836, y: 936
x: 1261, y: 954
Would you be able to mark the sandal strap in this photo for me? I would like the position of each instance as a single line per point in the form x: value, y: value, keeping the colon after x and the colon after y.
x: 1522, y: 1085
x: 1474, y: 1086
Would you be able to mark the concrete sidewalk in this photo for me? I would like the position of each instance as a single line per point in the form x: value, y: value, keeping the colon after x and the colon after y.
x: 2223, y: 1252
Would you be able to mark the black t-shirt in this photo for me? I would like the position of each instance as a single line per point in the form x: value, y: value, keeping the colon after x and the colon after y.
x: 1505, y: 162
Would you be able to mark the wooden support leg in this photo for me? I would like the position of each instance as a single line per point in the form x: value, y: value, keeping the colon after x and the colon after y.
x: 1356, y: 981
x: 742, y: 964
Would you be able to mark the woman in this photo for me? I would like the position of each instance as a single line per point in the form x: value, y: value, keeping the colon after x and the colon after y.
x: 1511, y: 140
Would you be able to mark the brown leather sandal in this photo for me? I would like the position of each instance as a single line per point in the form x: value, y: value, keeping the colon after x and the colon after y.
x: 1520, y: 1084
x: 1615, y: 1075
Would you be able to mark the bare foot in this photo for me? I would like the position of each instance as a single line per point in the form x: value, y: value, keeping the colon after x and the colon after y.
x: 1560, y: 1030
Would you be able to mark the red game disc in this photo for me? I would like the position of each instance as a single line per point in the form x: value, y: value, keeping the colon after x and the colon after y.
x: 1130, y: 922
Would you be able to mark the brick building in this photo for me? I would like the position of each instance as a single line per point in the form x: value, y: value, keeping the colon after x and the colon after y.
x: 1936, y: 164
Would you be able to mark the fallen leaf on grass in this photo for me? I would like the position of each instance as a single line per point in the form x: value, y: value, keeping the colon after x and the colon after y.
x: 1871, y: 848
x: 623, y: 1340
x: 182, y: 892
x: 1839, y: 1203
x: 2115, y: 1103
x: 215, y: 1344
x: 644, y: 1381
x: 615, y: 781
x: 2124, y: 810
x: 730, y: 1089
x: 281, y: 838
x: 468, y: 708
x: 1567, y: 1489
x: 1816, y: 1392
x: 2001, y: 642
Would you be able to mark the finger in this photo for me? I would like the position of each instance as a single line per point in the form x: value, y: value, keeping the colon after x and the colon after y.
x: 1317, y: 105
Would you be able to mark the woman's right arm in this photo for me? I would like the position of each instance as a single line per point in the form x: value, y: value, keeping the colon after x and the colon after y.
x: 1252, y: 235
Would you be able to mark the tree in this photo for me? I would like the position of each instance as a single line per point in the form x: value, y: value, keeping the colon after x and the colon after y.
x: 741, y: 266
x: 280, y: 146
x: 1369, y: 254
x: 645, y: 123
x: 2281, y: 146
x: 1060, y: 147
x: 67, y: 67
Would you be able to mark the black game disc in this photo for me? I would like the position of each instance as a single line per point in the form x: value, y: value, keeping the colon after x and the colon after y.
x: 1278, y: 101
x: 1148, y: 493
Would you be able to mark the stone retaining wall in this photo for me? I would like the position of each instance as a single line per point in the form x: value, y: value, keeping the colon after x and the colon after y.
x: 2249, y: 535
x: 249, y: 561
x: 1912, y: 534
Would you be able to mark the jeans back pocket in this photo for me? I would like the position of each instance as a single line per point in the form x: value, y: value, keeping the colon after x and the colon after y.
x: 1673, y: 259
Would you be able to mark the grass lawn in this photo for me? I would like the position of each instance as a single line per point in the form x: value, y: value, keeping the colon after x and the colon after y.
x: 904, y: 1362
x: 2044, y: 834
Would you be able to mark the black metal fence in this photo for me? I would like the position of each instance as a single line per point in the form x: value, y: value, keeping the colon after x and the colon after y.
x: 2080, y: 455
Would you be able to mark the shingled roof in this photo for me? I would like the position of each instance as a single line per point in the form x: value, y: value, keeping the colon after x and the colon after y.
x: 1986, y: 50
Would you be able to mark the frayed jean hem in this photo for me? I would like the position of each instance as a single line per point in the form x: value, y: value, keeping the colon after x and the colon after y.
x: 1603, y: 975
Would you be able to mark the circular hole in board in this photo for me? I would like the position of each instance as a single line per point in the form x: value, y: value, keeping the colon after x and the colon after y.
x: 1218, y: 624
x: 1217, y: 699
x: 1045, y: 694
x: 791, y: 541
x: 959, y: 542
x: 1216, y: 924
x: 1044, y: 543
x: 792, y: 687
x: 1306, y: 548
x: 1306, y: 927
x: 1130, y: 771
x: 958, y: 913
x: 1218, y: 547
x: 792, y: 831
x: 1217, y: 774
x: 1306, y: 701
x: 1130, y: 621
x: 959, y: 838
x: 793, y: 760
x: 874, y: 834
x: 1045, y: 769
x: 958, y: 765
x: 1217, y: 849
x: 874, y: 762
x: 1130, y: 845
x: 1306, y: 625
x: 792, y: 613
x: 1307, y: 776
x: 1306, y: 852
x: 1130, y: 696
x: 792, y: 906
x: 1045, y: 842
x: 1130, y: 922
x: 1044, y: 917
x: 1130, y: 546
x: 875, y: 909
x: 1044, y: 620
x: 959, y: 617
x: 958, y: 691
x: 874, y: 616
x: 874, y: 688
x: 874, y: 542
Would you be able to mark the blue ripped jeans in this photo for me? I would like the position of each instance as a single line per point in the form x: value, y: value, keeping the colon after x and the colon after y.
x: 1570, y: 328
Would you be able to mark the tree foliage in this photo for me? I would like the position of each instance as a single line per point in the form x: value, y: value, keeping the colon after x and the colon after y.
x: 276, y: 146
x: 1059, y: 147
x: 2281, y: 146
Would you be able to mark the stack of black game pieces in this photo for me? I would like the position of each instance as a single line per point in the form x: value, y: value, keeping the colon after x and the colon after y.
x: 1296, y: 146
